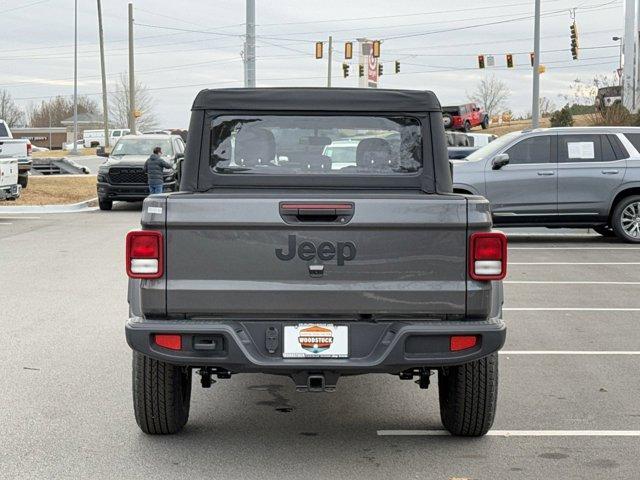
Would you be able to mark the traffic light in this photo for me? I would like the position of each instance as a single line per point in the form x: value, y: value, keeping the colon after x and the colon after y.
x: 397, y: 66
x: 380, y: 70
x: 573, y: 28
x: 348, y: 50
x: 375, y: 48
x: 319, y: 50
x: 509, y: 60
x: 361, y: 70
x: 480, y: 61
x: 345, y: 69
x: 532, y: 56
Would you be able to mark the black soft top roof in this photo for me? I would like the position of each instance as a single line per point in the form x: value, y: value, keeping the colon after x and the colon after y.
x: 317, y: 99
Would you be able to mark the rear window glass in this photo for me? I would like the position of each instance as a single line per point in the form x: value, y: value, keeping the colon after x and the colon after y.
x: 296, y: 144
x: 634, y: 138
x: 3, y: 130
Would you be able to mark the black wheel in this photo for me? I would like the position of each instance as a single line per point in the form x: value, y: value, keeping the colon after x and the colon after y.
x: 23, y: 180
x: 105, y: 204
x: 605, y: 231
x: 468, y: 396
x: 485, y: 122
x: 161, y: 395
x: 467, y: 126
x: 625, y: 219
x: 448, y: 120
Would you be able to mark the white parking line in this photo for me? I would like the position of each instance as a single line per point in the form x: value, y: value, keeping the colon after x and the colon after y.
x: 569, y: 352
x: 574, y: 263
x: 540, y: 282
x: 18, y: 217
x: 520, y: 433
x: 574, y: 248
x: 568, y: 309
x: 6, y: 223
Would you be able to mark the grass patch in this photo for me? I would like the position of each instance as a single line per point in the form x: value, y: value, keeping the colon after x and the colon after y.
x: 63, y: 153
x: 55, y: 190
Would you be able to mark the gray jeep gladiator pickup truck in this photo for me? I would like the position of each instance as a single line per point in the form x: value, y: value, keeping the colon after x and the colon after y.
x: 274, y: 259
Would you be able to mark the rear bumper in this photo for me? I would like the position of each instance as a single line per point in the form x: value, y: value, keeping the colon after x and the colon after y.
x: 24, y: 165
x: 375, y: 347
x: 129, y: 192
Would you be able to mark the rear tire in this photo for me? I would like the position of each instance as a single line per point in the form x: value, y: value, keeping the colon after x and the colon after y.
x: 467, y: 126
x: 625, y: 219
x: 23, y: 180
x: 161, y: 395
x: 485, y: 122
x: 447, y: 120
x: 468, y: 396
x: 105, y: 204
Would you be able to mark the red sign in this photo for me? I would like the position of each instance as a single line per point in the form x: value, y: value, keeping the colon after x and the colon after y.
x: 372, y: 73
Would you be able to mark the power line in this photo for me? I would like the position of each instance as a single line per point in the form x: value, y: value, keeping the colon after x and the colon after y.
x: 20, y: 7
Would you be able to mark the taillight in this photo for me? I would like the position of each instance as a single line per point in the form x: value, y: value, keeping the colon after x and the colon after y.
x: 172, y: 342
x: 462, y: 342
x: 144, y: 254
x: 29, y: 148
x: 488, y: 256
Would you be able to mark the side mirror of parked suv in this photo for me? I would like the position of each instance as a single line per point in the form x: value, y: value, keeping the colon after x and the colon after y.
x: 499, y: 161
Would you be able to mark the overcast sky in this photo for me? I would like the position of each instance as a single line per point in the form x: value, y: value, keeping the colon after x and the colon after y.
x: 437, y: 43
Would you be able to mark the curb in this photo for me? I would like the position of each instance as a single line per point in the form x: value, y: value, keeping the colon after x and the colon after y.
x: 64, y: 208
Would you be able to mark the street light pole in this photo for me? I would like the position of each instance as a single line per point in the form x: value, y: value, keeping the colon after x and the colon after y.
x: 619, y: 39
x: 535, y: 106
x: 132, y: 80
x: 329, y: 60
x: 75, y: 79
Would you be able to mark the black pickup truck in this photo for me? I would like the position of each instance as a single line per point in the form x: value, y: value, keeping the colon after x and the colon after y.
x: 274, y: 257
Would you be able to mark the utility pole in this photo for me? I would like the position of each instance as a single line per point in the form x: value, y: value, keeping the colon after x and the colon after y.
x: 629, y: 43
x: 132, y: 80
x: 329, y: 60
x: 250, y: 45
x: 535, y: 106
x: 105, y: 106
x: 75, y: 79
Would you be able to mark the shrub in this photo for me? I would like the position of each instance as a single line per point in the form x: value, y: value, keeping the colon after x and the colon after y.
x: 562, y: 117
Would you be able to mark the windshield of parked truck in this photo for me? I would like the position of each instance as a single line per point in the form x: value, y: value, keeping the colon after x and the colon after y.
x: 3, y: 130
x: 278, y: 144
x: 141, y: 146
x: 493, y: 148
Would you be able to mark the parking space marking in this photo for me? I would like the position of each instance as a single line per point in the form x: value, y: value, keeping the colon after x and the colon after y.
x: 18, y: 217
x: 560, y: 282
x: 574, y: 263
x: 574, y: 248
x: 6, y: 223
x: 569, y: 352
x: 520, y: 433
x: 569, y: 309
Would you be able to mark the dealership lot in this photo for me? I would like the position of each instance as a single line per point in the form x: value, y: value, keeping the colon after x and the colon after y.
x: 569, y: 366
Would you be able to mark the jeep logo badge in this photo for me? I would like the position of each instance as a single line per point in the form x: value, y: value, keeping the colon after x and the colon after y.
x: 325, y: 251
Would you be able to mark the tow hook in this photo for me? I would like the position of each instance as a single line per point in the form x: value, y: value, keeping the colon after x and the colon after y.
x: 206, y: 381
x: 423, y: 375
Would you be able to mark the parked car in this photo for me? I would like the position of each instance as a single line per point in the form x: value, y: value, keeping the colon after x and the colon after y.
x: 560, y: 177
x: 95, y: 138
x: 266, y: 265
x: 9, y: 187
x: 481, y: 139
x: 19, y: 148
x: 69, y: 145
x: 608, y: 97
x: 342, y: 153
x: 460, y: 153
x: 464, y: 117
x: 122, y: 177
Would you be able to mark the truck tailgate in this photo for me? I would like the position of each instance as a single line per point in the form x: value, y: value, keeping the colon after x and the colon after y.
x: 408, y: 257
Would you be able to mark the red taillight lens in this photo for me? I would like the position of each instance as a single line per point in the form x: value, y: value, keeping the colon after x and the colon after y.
x: 29, y: 148
x: 144, y: 254
x: 462, y: 342
x: 488, y: 256
x: 172, y: 342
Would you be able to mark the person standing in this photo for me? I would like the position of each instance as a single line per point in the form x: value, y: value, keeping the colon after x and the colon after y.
x: 154, y: 167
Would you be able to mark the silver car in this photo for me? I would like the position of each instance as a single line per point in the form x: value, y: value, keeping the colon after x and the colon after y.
x: 560, y: 177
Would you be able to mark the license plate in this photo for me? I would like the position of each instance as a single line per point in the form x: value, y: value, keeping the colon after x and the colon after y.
x: 316, y: 340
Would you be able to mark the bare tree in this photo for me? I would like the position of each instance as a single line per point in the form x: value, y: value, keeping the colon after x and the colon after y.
x: 57, y: 109
x: 492, y: 94
x: 10, y: 112
x: 119, y: 105
x: 547, y: 107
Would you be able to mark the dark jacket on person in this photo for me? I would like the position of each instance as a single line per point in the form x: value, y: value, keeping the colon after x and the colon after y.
x: 153, y: 168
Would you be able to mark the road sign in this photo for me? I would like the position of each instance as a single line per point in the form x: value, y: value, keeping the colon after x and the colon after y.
x: 491, y: 62
x: 372, y: 74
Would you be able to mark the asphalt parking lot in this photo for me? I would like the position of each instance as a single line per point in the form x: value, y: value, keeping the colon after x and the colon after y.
x: 568, y: 401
